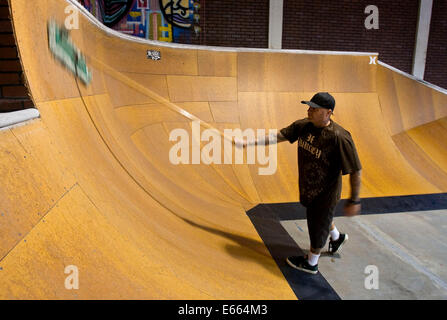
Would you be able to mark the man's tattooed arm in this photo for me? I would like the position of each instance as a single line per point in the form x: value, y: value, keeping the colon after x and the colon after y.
x: 355, y: 180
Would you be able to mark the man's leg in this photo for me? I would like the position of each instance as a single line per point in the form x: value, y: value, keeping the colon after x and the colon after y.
x: 337, y: 239
x: 315, y: 251
x: 313, y: 256
x: 318, y: 222
x: 334, y: 232
x: 318, y: 235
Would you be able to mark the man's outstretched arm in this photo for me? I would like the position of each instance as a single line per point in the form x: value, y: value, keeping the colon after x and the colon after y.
x: 262, y: 141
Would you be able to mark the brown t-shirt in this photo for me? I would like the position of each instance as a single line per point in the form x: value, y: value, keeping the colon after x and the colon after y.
x: 324, y: 154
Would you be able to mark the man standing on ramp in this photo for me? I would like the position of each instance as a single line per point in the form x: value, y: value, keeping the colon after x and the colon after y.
x: 325, y: 152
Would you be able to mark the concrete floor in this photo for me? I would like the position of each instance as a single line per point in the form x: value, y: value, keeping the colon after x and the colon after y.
x: 409, y: 250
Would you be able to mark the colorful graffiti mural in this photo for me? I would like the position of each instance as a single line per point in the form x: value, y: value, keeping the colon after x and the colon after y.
x: 177, y: 12
x: 162, y: 20
x: 91, y: 6
x: 112, y: 11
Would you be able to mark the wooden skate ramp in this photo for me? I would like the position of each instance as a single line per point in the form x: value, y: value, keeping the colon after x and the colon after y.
x: 90, y: 184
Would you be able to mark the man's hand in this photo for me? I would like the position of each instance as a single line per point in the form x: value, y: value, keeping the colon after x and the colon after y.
x: 240, y: 143
x: 352, y: 209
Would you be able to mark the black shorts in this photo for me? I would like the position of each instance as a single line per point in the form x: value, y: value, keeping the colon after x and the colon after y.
x: 319, y: 220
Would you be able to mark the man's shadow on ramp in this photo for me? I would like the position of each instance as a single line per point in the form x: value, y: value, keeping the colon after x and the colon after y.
x: 257, y: 251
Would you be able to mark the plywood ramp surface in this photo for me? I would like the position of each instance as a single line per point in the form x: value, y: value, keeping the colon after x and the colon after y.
x: 90, y: 184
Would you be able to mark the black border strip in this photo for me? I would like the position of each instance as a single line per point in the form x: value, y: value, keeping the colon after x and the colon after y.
x: 266, y: 219
x: 281, y: 245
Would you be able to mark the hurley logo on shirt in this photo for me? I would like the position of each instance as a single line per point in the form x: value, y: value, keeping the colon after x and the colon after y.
x: 307, y: 145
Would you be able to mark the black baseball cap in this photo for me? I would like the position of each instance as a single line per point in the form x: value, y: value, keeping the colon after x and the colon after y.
x: 321, y: 100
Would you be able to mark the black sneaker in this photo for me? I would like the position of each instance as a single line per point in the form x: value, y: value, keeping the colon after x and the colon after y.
x: 300, y: 263
x: 335, y: 246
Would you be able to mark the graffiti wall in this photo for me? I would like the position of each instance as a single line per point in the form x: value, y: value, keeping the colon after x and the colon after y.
x: 162, y: 20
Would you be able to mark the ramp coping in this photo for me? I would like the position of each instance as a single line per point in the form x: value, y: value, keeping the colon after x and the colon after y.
x: 410, y: 76
x: 11, y: 118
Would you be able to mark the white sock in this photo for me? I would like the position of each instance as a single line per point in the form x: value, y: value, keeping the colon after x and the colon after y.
x: 312, y: 258
x: 334, y: 234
